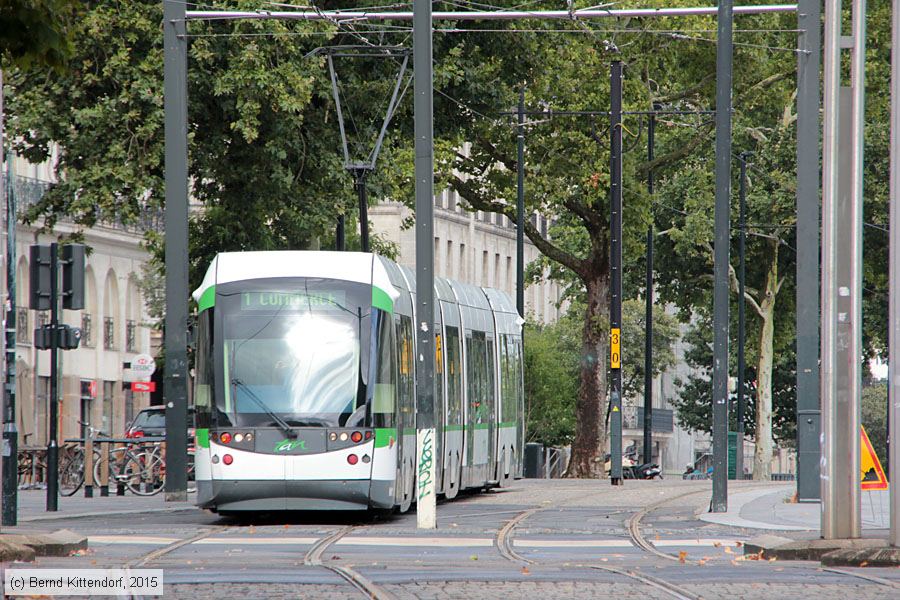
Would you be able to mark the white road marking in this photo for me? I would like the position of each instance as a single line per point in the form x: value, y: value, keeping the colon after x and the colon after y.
x: 433, y: 541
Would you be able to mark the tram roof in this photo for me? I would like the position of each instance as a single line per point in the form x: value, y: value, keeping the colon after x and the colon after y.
x: 360, y: 267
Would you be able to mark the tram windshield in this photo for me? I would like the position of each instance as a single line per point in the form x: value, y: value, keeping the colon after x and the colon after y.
x: 292, y: 354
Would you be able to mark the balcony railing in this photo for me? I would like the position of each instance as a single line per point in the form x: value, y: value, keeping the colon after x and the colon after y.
x: 29, y: 192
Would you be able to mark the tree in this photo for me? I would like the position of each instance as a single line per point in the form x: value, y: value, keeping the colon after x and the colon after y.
x: 568, y: 158
x: 874, y: 417
x: 552, y: 363
x: 265, y: 162
x: 36, y: 33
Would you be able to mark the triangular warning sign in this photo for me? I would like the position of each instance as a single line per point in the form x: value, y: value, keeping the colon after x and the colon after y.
x: 872, y: 475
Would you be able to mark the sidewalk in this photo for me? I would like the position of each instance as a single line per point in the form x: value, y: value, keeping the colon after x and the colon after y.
x: 32, y: 506
x: 772, y: 510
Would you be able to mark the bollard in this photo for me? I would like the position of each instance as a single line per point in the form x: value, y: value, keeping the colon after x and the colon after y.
x: 104, y: 468
x: 89, y: 466
x: 120, y: 485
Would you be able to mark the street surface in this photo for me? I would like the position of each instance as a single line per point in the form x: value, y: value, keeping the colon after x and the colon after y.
x: 539, y: 538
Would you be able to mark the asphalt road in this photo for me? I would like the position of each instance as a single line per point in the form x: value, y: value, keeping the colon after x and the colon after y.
x: 544, y: 538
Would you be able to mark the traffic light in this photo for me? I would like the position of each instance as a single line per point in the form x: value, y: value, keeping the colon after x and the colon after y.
x: 43, y: 339
x: 69, y: 337
x: 41, y: 266
x: 73, y: 276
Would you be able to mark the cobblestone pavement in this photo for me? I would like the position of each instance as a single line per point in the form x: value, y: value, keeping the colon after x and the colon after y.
x: 580, y: 525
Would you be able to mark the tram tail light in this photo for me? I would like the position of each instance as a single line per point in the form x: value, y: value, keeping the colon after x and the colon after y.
x: 227, y: 459
x: 225, y: 437
x: 368, y: 435
x: 356, y: 436
x: 351, y: 458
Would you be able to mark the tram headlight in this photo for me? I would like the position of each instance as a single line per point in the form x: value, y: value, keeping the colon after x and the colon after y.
x: 332, y: 436
x: 351, y: 458
x: 356, y: 437
x: 344, y: 436
x: 239, y: 437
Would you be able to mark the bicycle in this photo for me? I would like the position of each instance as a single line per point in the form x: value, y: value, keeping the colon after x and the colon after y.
x: 142, y: 470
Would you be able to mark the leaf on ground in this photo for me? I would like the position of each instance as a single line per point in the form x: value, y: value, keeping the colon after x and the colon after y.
x: 335, y: 557
x: 728, y: 550
x: 702, y: 561
x: 604, y: 560
x: 734, y: 562
x: 525, y: 571
x: 739, y: 544
x: 717, y: 544
x: 682, y: 556
x: 864, y: 563
x: 473, y: 557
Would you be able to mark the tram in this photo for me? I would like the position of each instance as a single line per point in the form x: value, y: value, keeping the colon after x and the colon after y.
x: 304, y: 384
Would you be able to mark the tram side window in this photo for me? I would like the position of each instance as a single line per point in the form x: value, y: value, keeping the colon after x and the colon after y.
x: 490, y: 371
x: 454, y: 376
x: 475, y: 358
x: 406, y: 382
x: 508, y: 374
x: 438, y: 372
x: 384, y: 395
x: 203, y: 371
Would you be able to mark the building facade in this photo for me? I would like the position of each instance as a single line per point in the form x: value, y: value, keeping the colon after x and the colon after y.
x: 472, y: 247
x: 114, y: 323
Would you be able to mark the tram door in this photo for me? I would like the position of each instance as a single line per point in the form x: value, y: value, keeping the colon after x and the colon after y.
x: 478, y: 415
x: 453, y: 428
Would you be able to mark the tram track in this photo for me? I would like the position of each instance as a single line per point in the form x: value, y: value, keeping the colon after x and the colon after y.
x: 504, y: 537
x: 362, y: 583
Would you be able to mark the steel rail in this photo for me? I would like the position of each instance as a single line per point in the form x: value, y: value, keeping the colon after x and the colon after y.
x: 505, y: 534
x: 499, y: 15
x: 151, y: 556
x: 660, y: 584
x: 363, y: 584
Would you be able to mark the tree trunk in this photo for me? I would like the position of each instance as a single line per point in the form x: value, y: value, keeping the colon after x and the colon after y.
x: 591, y: 431
x: 762, y: 456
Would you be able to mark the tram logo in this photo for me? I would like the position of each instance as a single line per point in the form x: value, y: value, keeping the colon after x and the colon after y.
x: 288, y: 445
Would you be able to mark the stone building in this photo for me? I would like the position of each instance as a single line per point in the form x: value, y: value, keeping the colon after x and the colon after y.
x: 114, y: 323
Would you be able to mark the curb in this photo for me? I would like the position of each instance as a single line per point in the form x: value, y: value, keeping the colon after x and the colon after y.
x: 25, y: 547
x: 86, y: 515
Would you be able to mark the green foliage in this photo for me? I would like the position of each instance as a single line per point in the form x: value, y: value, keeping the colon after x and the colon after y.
x: 36, y: 33
x: 874, y: 417
x: 552, y: 366
x: 553, y: 357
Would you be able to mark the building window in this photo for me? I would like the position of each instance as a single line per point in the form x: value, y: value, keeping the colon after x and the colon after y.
x: 87, y: 330
x: 130, y: 336
x: 109, y: 333
x: 43, y: 317
x: 23, y: 334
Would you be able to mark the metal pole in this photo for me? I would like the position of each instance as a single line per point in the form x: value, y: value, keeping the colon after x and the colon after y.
x: 648, y: 315
x: 520, y: 207
x: 10, y: 430
x: 830, y: 99
x: 741, y: 367
x: 615, y: 269
x: 363, y: 211
x: 894, y: 269
x: 177, y: 293
x: 426, y: 512
x: 809, y: 412
x: 722, y: 221
x: 52, y: 444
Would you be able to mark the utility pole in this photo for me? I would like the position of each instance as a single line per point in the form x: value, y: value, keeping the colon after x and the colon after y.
x: 721, y: 257
x: 52, y: 444
x: 360, y: 180
x: 339, y: 234
x: 894, y: 279
x: 426, y: 494
x: 615, y: 269
x: 809, y: 412
x: 177, y: 293
x: 648, y: 315
x: 10, y: 431
x: 742, y: 249
x: 520, y: 207
x: 842, y: 164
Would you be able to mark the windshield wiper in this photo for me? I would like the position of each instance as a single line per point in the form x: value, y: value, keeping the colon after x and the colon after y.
x: 278, y: 420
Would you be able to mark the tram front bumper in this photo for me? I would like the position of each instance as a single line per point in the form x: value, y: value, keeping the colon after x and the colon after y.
x: 269, y: 495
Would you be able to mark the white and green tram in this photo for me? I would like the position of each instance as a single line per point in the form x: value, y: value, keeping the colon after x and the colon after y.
x: 305, y: 384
